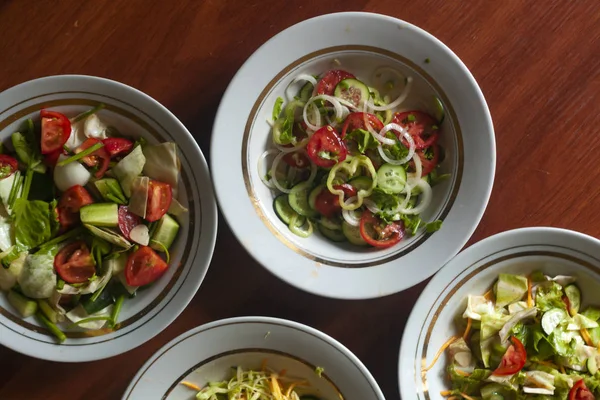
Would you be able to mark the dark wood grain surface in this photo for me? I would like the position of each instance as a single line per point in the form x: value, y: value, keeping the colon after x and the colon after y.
x: 537, y: 62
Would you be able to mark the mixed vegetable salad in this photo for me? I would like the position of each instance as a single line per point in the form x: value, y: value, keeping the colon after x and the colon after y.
x: 349, y: 159
x: 256, y: 385
x: 527, y: 338
x: 84, y: 219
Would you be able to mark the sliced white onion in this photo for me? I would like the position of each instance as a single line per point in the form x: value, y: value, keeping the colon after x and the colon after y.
x: 398, y: 100
x: 313, y: 169
x: 262, y: 174
x: 335, y: 102
x: 299, y: 78
x: 414, y: 177
x: 425, y: 196
x: 299, y: 146
x: 350, y: 215
x: 376, y: 135
x: 409, y: 139
x: 316, y: 117
x: 274, y: 173
x: 371, y: 206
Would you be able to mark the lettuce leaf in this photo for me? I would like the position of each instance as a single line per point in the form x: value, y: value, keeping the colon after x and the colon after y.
x: 592, y: 313
x: 548, y: 296
x: 471, y: 384
x: 129, y: 168
x: 38, y: 279
x: 163, y: 164
x: 34, y: 221
x: 364, y: 140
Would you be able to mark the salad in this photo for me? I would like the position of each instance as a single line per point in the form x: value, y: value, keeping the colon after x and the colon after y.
x: 84, y: 219
x: 351, y: 160
x: 253, y: 385
x: 529, y: 337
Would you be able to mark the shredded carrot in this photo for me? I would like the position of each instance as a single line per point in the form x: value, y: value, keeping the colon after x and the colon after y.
x: 463, y: 373
x: 488, y: 294
x: 191, y: 386
x: 282, y: 372
x: 275, y: 388
x: 468, y: 329
x: 562, y: 370
x: 586, y: 337
x: 440, y: 352
x: 529, y: 296
x: 466, y: 397
x: 452, y: 398
x: 445, y: 393
x: 263, y: 365
x: 292, y: 386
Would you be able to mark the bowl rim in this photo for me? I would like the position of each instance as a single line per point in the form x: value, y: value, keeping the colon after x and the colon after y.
x: 288, y: 324
x: 330, y: 290
x: 207, y: 217
x: 528, y: 236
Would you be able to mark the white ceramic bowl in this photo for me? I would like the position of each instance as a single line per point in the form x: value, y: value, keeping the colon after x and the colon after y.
x: 358, y: 42
x: 473, y: 271
x: 153, y: 309
x: 208, y: 352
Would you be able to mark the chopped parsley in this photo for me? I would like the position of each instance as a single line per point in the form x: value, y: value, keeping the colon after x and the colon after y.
x: 427, y: 60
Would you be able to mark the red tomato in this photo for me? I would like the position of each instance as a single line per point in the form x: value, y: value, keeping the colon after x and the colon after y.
x: 74, y: 263
x: 144, y: 266
x: 513, y: 360
x: 56, y: 130
x: 420, y: 126
x: 379, y: 234
x: 580, y: 392
x: 330, y: 80
x: 159, y: 200
x: 69, y: 205
x: 99, y: 158
x: 51, y: 159
x: 127, y: 221
x: 326, y: 142
x: 356, y: 120
x: 427, y: 164
x: 8, y: 165
x: 328, y: 203
x: 117, y: 146
x: 297, y: 160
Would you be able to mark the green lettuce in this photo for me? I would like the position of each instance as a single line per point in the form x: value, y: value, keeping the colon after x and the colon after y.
x: 364, y: 140
x: 549, y: 295
x: 592, y: 313
x: 283, y: 128
x: 471, y: 384
x: 38, y: 279
x: 35, y: 223
x: 27, y: 147
x: 277, y: 108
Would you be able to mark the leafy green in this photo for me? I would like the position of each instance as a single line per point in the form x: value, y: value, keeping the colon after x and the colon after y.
x: 411, y: 223
x: 110, y: 190
x: 435, y: 177
x: 284, y: 126
x: 37, y: 279
x: 537, y: 277
x: 42, y: 187
x: 397, y: 151
x: 384, y: 201
x: 471, y: 384
x: 364, y: 140
x: 129, y: 168
x: 592, y: 313
x: 433, y: 226
x: 540, y: 345
x: 277, y: 108
x: 34, y: 223
x: 522, y: 332
x: 27, y: 147
x: 549, y: 296
x: 100, y: 248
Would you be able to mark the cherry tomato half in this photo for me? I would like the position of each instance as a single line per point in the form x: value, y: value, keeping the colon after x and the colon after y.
x: 117, y: 146
x: 421, y: 127
x: 144, y: 266
x: 56, y: 129
x: 377, y: 233
x: 99, y: 158
x: 127, y: 221
x: 159, y: 200
x: 69, y: 205
x: 51, y: 159
x: 325, y: 148
x: 579, y: 391
x: 297, y: 160
x: 330, y: 80
x: 8, y: 165
x: 356, y: 120
x: 328, y: 203
x: 74, y: 263
x: 513, y: 360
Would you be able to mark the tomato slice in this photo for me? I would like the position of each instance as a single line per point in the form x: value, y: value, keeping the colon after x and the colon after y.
x: 325, y: 148
x: 377, y: 233
x: 74, y: 263
x: 99, y: 158
x: 297, y: 160
x: 51, y: 159
x: 356, y: 120
x: 580, y: 391
x: 328, y: 203
x: 56, y: 130
x: 430, y: 158
x: 127, y: 221
x: 117, y: 146
x: 144, y: 266
x: 69, y: 205
x: 330, y: 80
x: 421, y: 126
x: 8, y: 166
x: 159, y: 200
x: 513, y: 360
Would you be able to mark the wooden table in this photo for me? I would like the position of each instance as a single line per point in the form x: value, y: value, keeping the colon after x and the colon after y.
x: 537, y: 62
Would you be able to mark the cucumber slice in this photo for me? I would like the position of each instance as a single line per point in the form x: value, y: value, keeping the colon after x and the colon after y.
x: 391, y: 178
x: 282, y: 208
x: 552, y: 318
x: 165, y: 233
x: 352, y: 90
x: 100, y: 214
x: 312, y: 198
x: 438, y: 110
x: 298, y: 199
x: 574, y: 295
x: 25, y: 306
x: 353, y: 235
x: 306, y: 92
x: 331, y: 223
x: 361, y: 182
x: 332, y: 234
